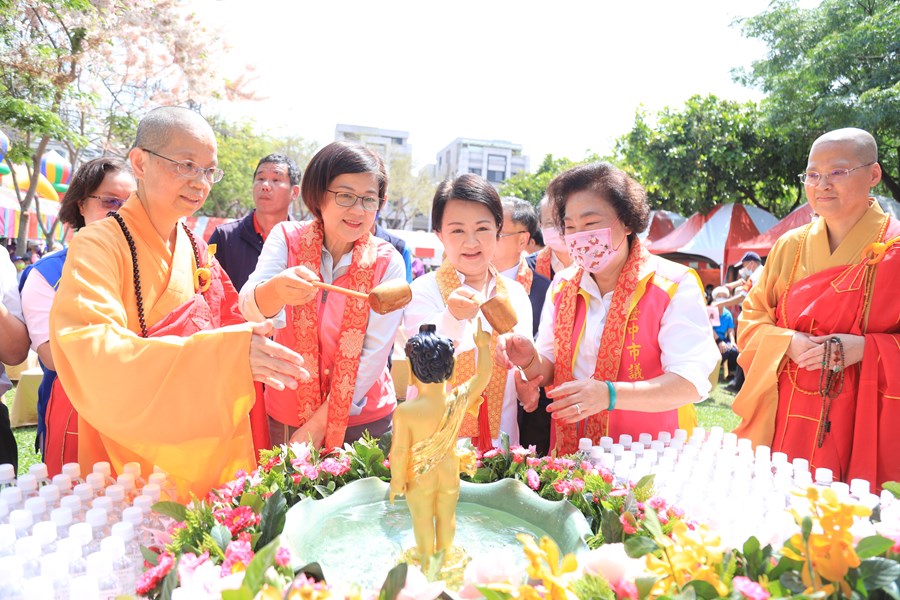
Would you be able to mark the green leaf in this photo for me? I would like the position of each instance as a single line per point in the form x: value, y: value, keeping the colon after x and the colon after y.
x: 806, y: 527
x: 149, y: 555
x: 313, y: 570
x: 893, y: 487
x: 393, y: 583
x: 173, y: 510
x: 644, y: 585
x: 253, y: 501
x: 703, y: 589
x: 751, y: 546
x: 611, y: 527
x: 241, y: 593
x: 874, y: 545
x: 490, y: 594
x: 271, y: 519
x: 791, y: 580
x: 878, y: 572
x: 384, y: 444
x: 638, y: 546
x: 221, y: 535
x: 651, y: 522
x: 784, y: 565
x: 256, y: 570
x: 645, y: 483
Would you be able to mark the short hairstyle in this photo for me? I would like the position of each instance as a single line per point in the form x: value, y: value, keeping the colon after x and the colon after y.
x: 281, y: 159
x: 430, y: 355
x: 522, y: 213
x: 626, y: 195
x: 155, y: 129
x: 339, y: 158
x: 469, y: 188
x: 85, y: 181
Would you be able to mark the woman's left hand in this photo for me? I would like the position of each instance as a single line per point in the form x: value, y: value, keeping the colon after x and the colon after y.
x: 574, y: 401
x: 854, y: 345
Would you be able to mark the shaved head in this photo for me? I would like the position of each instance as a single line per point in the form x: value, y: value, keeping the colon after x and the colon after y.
x: 160, y: 124
x: 862, y: 143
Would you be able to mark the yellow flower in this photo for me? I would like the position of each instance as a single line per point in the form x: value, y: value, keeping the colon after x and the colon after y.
x: 687, y: 556
x: 544, y: 564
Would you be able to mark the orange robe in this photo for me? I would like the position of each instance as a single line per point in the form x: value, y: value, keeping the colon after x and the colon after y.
x: 180, y: 403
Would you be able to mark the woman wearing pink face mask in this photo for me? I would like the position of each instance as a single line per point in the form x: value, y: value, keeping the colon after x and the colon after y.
x: 625, y: 341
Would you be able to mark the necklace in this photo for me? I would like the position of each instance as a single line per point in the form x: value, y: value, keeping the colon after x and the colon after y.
x: 831, y: 382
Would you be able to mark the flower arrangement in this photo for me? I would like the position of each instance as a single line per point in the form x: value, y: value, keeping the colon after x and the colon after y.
x: 226, y: 545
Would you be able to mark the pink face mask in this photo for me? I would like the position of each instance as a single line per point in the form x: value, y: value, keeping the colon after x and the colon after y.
x: 554, y: 240
x: 592, y: 250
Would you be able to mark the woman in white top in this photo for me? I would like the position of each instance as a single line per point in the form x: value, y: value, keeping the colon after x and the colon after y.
x: 97, y: 187
x: 344, y: 344
x: 624, y: 341
x: 467, y: 217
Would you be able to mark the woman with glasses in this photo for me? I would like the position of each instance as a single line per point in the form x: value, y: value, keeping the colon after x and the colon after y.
x: 467, y: 216
x: 98, y: 187
x: 624, y: 339
x: 345, y: 345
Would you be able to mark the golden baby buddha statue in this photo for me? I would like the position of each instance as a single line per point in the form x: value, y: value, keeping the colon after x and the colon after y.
x: 425, y: 462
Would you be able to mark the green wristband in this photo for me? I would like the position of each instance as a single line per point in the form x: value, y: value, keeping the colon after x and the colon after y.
x: 612, y: 395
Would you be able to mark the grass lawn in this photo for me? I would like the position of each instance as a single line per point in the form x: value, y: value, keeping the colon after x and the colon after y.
x: 24, y: 438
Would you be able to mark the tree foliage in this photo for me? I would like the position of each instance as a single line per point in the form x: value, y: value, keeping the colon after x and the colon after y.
x: 533, y: 186
x: 409, y: 194
x: 835, y: 65
x: 711, y: 151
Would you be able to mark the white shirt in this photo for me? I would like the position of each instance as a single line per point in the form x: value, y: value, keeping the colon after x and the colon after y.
x: 380, y: 331
x: 685, y: 337
x: 9, y: 292
x: 37, y: 298
x: 428, y: 306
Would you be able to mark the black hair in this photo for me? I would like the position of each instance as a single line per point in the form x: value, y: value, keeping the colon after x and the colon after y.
x: 470, y: 188
x: 281, y: 159
x: 430, y: 355
x: 339, y: 158
x: 85, y: 181
x: 523, y: 213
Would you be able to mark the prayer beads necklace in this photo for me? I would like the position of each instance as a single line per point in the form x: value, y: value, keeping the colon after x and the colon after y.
x: 831, y: 382
x: 134, y: 264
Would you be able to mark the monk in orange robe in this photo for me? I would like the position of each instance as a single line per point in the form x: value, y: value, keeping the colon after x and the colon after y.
x: 135, y: 325
x: 820, y: 332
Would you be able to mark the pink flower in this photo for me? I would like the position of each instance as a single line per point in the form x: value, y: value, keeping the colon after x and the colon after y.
x: 238, y: 519
x: 612, y: 563
x: 562, y: 487
x: 619, y: 492
x: 586, y: 466
x: 272, y: 462
x: 417, y: 587
x: 491, y: 453
x: 306, y: 584
x: 577, y: 485
x: 496, y: 567
x: 675, y: 512
x: 387, y: 463
x: 334, y: 467
x: 189, y: 563
x: 606, y: 475
x: 534, y: 482
x: 657, y: 503
x: 750, y: 589
x: 282, y: 557
x: 309, y: 471
x: 238, y: 555
x: 533, y: 462
x: 629, y: 525
x: 626, y: 589
x: 150, y: 578
x: 519, y: 454
x: 230, y: 490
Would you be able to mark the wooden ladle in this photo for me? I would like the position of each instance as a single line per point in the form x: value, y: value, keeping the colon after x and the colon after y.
x: 384, y: 298
x: 499, y: 312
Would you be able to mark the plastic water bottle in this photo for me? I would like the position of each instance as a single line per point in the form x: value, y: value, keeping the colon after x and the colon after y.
x: 40, y: 473
x: 12, y: 497
x: 135, y: 516
x: 152, y: 491
x: 85, y: 493
x: 100, y: 568
x: 104, y: 469
x: 166, y: 484
x: 126, y: 481
x: 7, y: 541
x: 73, y: 503
x: 55, y: 567
x: 45, y: 533
x: 37, y: 506
x: 128, y: 535
x: 37, y: 588
x: 28, y: 483
x: 7, y: 476
x: 4, y: 513
x: 97, y: 481
x: 73, y: 470
x: 72, y: 550
x: 84, y: 586
x: 134, y: 469
x: 51, y: 495
x: 28, y: 549
x: 21, y: 521
x: 11, y: 578
x: 63, y: 482
x: 99, y: 522
x: 105, y: 503
x: 122, y: 564
x: 62, y: 518
x: 115, y: 495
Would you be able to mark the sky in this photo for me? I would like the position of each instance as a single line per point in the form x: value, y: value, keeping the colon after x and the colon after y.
x: 558, y: 76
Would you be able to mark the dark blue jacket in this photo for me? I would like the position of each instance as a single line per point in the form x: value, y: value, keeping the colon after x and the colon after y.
x: 400, y: 245
x: 237, y: 249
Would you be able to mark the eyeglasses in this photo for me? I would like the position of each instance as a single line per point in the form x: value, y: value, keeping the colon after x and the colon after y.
x: 511, y: 233
x: 346, y: 199
x: 190, y: 169
x: 813, y: 178
x: 109, y: 202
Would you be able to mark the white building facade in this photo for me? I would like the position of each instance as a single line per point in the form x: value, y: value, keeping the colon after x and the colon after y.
x: 387, y: 143
x: 494, y: 160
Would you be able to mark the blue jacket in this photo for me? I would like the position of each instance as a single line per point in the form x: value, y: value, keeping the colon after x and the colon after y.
x: 237, y: 249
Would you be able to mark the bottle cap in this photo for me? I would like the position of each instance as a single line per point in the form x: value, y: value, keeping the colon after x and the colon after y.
x: 159, y: 470
x: 859, y: 487
x: 824, y: 476
x: 97, y: 481
x: 800, y: 464
x: 27, y: 483
x: 73, y: 503
x: 608, y: 461
x: 63, y: 482
x: 637, y: 448
x: 7, y: 473
x: 617, y: 449
x: 680, y: 434
x: 51, y: 494
x: 841, y: 489
x: 61, y: 516
x: 82, y: 533
x: 153, y: 490
x: 625, y: 440
x: 21, y: 519
x: 4, y: 511
x: 763, y: 453
x: 84, y: 491
x: 145, y: 503
x: 606, y: 442
x: 124, y: 530
x: 39, y: 470
x: 103, y: 502
x: 133, y: 515
x: 116, y: 493
x: 99, y: 565
x: 132, y: 468
x: 158, y: 479
x: 114, y: 546
x: 36, y: 505
x: 585, y: 444
x: 45, y: 532
x: 73, y: 470
x: 779, y: 458
x: 12, y: 496
x: 28, y: 548
x: 96, y: 517
x: 126, y: 480
x: 664, y: 436
x: 103, y: 468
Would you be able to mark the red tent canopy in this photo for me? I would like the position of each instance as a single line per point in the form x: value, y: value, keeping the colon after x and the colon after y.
x: 763, y: 243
